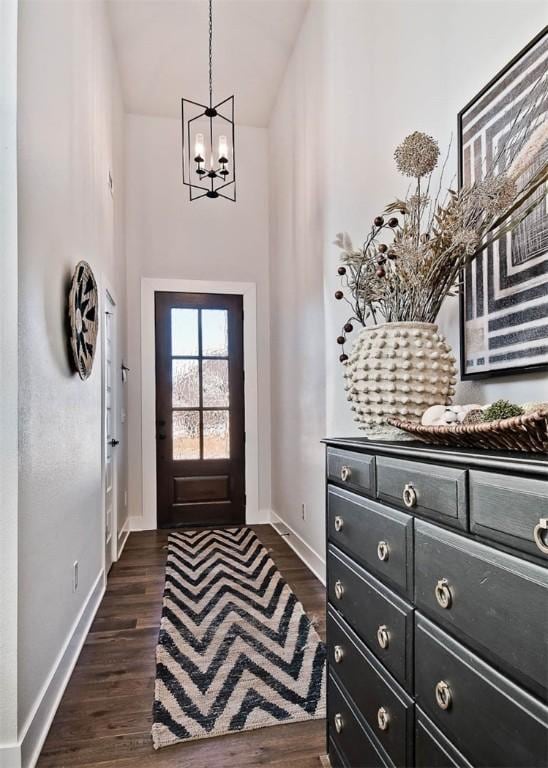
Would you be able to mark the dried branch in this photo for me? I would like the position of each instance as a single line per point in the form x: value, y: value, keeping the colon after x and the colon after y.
x: 408, y: 278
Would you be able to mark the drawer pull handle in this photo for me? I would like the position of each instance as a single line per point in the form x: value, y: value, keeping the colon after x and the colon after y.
x: 346, y: 472
x: 338, y: 722
x: 339, y: 590
x: 383, y: 636
x: 338, y: 653
x: 383, y: 551
x: 443, y: 695
x: 409, y: 496
x: 542, y: 525
x: 443, y: 594
x: 339, y: 522
x: 383, y: 719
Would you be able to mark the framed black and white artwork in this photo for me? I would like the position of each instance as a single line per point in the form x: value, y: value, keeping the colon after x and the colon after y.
x: 504, y: 298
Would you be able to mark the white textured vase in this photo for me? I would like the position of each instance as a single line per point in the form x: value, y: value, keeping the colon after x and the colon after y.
x: 398, y: 370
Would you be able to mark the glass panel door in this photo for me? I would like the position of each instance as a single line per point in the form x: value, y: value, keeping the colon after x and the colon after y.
x: 200, y: 391
x: 200, y: 409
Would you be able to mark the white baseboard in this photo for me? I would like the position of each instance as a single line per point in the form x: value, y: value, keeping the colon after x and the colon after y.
x: 309, y: 556
x: 258, y: 517
x: 39, y: 721
x: 255, y: 517
x: 122, y: 538
x: 137, y: 523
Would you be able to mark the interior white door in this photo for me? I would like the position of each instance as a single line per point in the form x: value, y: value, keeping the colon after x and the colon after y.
x: 109, y: 407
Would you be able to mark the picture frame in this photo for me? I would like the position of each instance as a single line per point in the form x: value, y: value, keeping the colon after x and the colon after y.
x: 503, y: 301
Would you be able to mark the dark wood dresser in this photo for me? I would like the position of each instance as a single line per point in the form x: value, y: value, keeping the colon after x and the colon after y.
x: 438, y: 606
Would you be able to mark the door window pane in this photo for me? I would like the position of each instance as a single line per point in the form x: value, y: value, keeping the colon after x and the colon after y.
x: 185, y: 384
x: 216, y: 435
x: 215, y: 332
x: 184, y: 332
x: 215, y: 383
x: 186, y: 435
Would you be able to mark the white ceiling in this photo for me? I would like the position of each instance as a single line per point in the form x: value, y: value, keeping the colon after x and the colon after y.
x: 162, y: 52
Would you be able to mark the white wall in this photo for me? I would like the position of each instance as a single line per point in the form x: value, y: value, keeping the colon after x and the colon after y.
x: 299, y: 197
x: 70, y: 131
x: 379, y: 69
x: 169, y: 237
x: 8, y: 383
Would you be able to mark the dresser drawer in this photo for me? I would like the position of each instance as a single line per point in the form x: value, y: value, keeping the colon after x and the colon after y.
x: 379, y: 538
x: 491, y: 720
x: 426, y: 489
x: 353, y: 470
x: 383, y: 704
x: 374, y: 612
x: 432, y: 749
x: 354, y: 745
x: 497, y: 603
x: 336, y: 760
x: 507, y: 508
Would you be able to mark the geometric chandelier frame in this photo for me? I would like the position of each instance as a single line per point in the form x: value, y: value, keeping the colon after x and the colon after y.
x: 209, y: 155
x: 219, y: 179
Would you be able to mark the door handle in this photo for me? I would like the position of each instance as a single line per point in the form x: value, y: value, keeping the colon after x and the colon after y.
x: 161, y: 437
x: 114, y: 442
x: 161, y: 423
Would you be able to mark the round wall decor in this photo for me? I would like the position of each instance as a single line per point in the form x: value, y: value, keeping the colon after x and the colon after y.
x: 83, y: 317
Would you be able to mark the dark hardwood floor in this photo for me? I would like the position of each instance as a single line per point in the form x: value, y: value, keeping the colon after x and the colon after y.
x: 105, y: 715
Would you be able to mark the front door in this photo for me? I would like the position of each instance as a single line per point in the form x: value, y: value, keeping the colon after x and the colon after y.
x: 199, y: 409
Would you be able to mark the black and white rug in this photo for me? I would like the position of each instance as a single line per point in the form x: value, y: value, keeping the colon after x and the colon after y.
x: 236, y: 650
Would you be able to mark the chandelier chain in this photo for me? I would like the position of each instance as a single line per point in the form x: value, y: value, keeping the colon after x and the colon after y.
x: 208, y: 170
x: 210, y: 53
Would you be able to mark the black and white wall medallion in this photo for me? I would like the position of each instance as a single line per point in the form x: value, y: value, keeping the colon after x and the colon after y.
x: 504, y: 302
x: 83, y: 318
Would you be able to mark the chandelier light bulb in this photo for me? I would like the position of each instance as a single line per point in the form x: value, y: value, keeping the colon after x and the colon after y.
x: 223, y: 149
x: 199, y: 147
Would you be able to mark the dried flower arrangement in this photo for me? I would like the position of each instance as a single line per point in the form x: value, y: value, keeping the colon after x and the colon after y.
x: 430, y: 240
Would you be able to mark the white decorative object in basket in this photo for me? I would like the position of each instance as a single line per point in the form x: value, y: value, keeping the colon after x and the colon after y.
x: 398, y: 370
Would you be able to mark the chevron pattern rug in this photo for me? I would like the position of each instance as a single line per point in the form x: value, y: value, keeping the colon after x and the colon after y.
x: 236, y: 650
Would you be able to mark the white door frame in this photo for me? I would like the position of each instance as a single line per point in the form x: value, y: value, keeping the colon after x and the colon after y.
x: 149, y: 286
x: 107, y: 288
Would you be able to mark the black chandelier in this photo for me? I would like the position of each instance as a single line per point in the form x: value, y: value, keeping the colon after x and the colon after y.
x: 209, y: 158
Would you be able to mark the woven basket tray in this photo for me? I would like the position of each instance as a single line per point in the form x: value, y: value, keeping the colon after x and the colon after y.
x: 520, y: 433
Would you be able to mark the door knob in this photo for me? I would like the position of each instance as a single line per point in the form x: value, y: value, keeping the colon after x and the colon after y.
x: 114, y: 442
x: 409, y: 496
x: 444, y: 697
x: 383, y: 551
x: 383, y: 636
x: 540, y: 527
x: 443, y: 594
x: 345, y: 473
x: 383, y: 719
x: 161, y: 437
x: 338, y: 653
